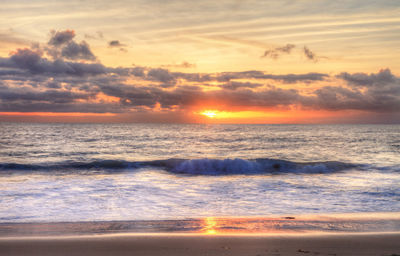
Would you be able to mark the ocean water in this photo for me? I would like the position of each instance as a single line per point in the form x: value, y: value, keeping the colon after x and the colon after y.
x: 128, y: 172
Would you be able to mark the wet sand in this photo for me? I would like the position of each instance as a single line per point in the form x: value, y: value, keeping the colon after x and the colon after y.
x: 378, y: 244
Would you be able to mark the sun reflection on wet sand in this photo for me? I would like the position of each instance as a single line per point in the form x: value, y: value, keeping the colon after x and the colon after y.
x: 217, y: 226
x: 299, y: 224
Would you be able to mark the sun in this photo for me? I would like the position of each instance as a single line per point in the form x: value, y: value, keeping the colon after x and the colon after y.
x: 209, y: 113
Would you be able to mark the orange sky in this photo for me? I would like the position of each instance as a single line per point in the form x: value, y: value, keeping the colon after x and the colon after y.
x: 169, y: 61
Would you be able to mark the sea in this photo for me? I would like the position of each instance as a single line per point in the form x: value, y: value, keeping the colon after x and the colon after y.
x: 152, y: 175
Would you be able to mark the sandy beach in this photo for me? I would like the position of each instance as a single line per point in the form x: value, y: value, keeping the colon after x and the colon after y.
x: 335, y: 234
x: 273, y: 245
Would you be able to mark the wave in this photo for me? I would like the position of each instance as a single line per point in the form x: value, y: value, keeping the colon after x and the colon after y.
x: 212, y: 167
x: 256, y: 166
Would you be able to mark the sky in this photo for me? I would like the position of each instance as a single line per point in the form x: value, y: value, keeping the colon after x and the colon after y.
x: 176, y: 61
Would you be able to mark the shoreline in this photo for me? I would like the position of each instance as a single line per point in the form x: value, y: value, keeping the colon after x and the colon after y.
x: 353, y: 223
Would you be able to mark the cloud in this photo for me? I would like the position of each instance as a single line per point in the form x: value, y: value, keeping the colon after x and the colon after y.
x: 77, y: 51
x: 227, y: 76
x: 294, y: 78
x: 288, y: 78
x: 32, y: 61
x: 51, y: 96
x: 115, y: 43
x: 339, y: 98
x: 61, y: 37
x: 161, y: 75
x: 275, y: 53
x: 379, y: 92
x: 63, y: 46
x: 27, y: 59
x: 232, y: 85
x: 137, y: 71
x: 384, y: 76
x: 309, y: 54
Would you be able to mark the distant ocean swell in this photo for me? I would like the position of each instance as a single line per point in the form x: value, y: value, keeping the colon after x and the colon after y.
x: 211, y: 167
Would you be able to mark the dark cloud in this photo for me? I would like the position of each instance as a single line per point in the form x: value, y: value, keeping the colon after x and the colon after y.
x: 309, y: 54
x: 161, y: 75
x: 168, y: 77
x: 137, y: 71
x: 227, y: 76
x: 32, y: 61
x: 28, y: 59
x: 287, y: 78
x: 294, y: 78
x: 51, y: 96
x: 378, y: 92
x: 269, y: 97
x: 8, y: 74
x: 63, y: 46
x: 61, y: 37
x: 53, y: 85
x: 232, y: 85
x: 194, y: 77
x: 115, y: 43
x: 383, y: 77
x: 337, y: 98
x: 75, y: 51
x: 340, y: 98
x: 74, y: 107
x: 286, y: 49
x: 276, y: 52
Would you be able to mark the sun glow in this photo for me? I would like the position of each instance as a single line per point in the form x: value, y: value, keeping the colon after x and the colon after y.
x: 216, y: 114
x: 209, y: 113
x: 273, y: 116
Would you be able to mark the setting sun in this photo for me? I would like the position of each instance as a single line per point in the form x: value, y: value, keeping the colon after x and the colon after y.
x: 209, y: 113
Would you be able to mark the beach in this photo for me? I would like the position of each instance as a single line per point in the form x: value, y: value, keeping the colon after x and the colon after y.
x: 345, y: 234
x: 153, y: 245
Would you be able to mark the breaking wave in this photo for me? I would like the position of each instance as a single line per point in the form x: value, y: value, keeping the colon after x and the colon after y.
x: 212, y: 167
